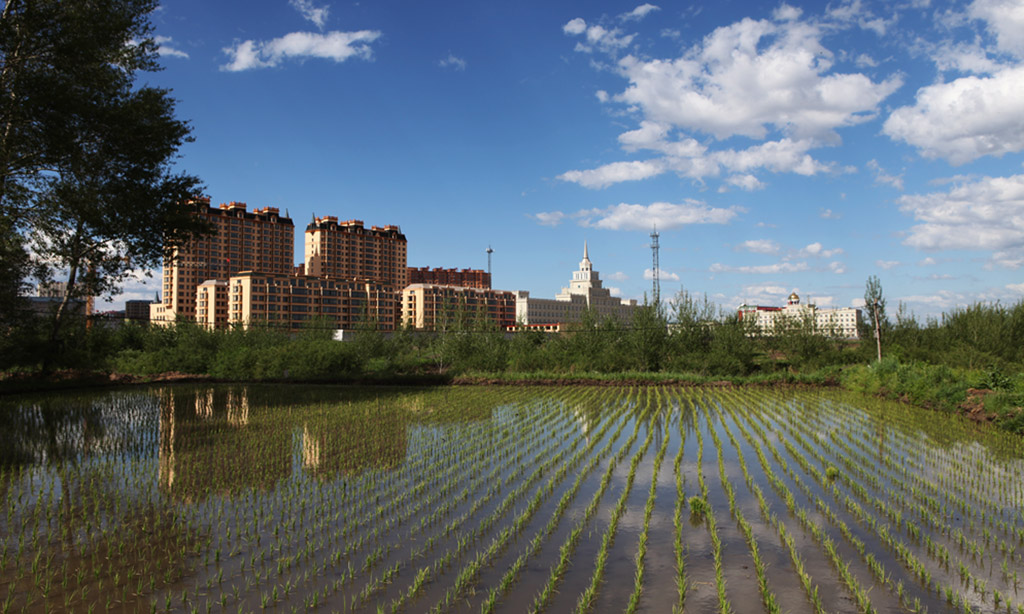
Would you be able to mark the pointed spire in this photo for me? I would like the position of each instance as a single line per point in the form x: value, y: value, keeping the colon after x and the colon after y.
x: 585, y: 256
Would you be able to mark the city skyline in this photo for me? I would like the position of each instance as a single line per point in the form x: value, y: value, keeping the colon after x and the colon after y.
x: 778, y: 148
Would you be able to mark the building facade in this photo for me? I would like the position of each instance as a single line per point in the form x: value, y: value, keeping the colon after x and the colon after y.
x: 348, y: 250
x: 437, y: 307
x: 290, y: 302
x: 585, y: 292
x: 137, y: 310
x: 465, y: 278
x: 842, y: 322
x: 260, y: 240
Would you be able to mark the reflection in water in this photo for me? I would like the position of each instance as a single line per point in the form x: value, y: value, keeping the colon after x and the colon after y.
x: 208, y: 444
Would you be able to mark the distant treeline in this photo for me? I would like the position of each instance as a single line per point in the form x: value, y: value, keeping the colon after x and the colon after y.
x: 931, y: 363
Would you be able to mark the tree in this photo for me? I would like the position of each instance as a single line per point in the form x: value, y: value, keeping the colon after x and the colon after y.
x: 874, y: 303
x: 86, y: 156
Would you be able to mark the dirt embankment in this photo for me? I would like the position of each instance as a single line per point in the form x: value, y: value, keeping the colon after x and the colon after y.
x: 974, y: 405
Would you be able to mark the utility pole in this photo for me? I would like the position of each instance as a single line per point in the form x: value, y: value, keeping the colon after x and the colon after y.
x: 657, y: 281
x: 878, y: 332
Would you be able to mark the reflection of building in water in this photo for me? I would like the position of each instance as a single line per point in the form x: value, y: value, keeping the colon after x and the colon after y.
x: 352, y: 443
x: 209, y: 445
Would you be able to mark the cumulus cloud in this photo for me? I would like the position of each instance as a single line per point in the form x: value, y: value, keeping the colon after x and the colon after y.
x: 663, y: 275
x: 618, y: 276
x: 311, y: 12
x: 828, y: 214
x: 767, y: 80
x: 597, y: 37
x: 616, y: 172
x: 986, y: 214
x: 665, y: 216
x: 759, y: 246
x: 817, y: 250
x: 1005, y: 19
x: 337, y: 46
x: 751, y: 77
x: 964, y: 119
x: 883, y: 177
x: 164, y: 46
x: 639, y: 12
x: 455, y: 62
x: 552, y: 218
x: 887, y: 264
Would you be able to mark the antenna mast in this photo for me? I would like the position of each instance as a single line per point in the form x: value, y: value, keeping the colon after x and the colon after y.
x: 489, y: 252
x: 657, y: 281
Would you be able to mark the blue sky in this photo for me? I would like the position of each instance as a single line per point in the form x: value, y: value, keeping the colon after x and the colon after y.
x: 778, y: 148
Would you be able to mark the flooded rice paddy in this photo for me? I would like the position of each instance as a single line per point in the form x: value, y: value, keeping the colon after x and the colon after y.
x: 659, y: 499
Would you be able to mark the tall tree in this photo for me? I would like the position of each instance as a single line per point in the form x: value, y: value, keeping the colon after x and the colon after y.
x: 86, y: 156
x: 874, y: 304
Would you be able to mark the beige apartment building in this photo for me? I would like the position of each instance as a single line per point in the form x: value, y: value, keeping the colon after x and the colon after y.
x: 290, y: 302
x: 348, y: 250
x: 258, y: 240
x: 436, y: 307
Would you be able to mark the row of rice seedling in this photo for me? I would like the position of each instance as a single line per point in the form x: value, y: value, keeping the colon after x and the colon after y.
x: 510, y: 577
x: 908, y: 550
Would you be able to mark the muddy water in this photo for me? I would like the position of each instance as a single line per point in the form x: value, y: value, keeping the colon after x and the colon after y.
x: 188, y: 498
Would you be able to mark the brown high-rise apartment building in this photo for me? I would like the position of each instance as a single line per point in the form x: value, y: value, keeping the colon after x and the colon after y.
x: 261, y: 240
x: 348, y: 250
x: 465, y: 278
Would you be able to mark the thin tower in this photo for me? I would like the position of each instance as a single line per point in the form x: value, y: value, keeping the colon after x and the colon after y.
x: 654, y: 250
x: 489, y: 252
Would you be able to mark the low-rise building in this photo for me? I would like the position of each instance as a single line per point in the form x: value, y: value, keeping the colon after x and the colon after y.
x: 585, y: 292
x: 841, y: 322
x: 291, y: 302
x: 436, y: 307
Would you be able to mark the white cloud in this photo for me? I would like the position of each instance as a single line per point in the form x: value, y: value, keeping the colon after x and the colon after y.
x: 614, y: 291
x: 765, y: 269
x: 838, y: 268
x: 749, y: 183
x: 1018, y: 288
x: 552, y: 218
x: 966, y: 58
x: 1005, y: 19
x: 455, y: 62
x: 823, y: 301
x: 601, y: 95
x: 166, y: 50
x: 865, y: 61
x: 816, y: 250
x: 618, y: 276
x: 615, y: 172
x: 772, y: 81
x: 887, y: 264
x: 987, y: 214
x: 663, y: 275
x: 828, y: 214
x: 575, y: 26
x: 858, y: 303
x: 639, y: 12
x: 929, y: 261
x: 752, y: 76
x: 759, y: 246
x: 964, y: 119
x: 786, y: 12
x: 337, y: 46
x: 665, y: 216
x: 310, y: 12
x: 598, y: 38
x: 881, y: 176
